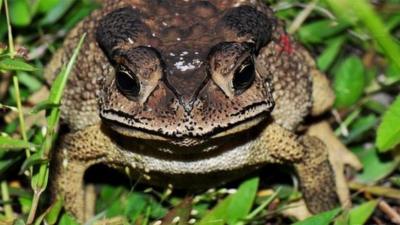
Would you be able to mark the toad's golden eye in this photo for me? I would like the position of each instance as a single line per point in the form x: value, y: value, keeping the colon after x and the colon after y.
x: 127, y: 83
x: 244, y: 76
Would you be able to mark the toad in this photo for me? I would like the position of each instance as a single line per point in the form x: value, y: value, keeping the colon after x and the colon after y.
x: 194, y: 94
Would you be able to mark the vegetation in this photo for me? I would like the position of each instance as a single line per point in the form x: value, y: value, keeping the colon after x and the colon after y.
x: 354, y: 42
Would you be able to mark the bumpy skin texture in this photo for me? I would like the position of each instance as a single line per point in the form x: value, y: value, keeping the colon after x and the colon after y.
x: 190, y: 93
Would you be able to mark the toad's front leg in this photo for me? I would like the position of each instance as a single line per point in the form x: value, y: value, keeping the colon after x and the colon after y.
x: 317, y: 178
x: 77, y: 152
x: 309, y: 156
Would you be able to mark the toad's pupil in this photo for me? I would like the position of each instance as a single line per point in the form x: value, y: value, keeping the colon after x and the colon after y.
x: 244, y: 77
x: 128, y: 84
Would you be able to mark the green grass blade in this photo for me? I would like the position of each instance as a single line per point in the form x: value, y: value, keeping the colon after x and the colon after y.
x: 233, y: 208
x: 58, y: 86
x: 8, y: 143
x: 242, y: 201
x: 360, y: 215
x: 377, y: 28
x: 324, y: 218
x: 388, y: 134
x: 45, y: 105
x: 57, y: 12
x: 262, y: 206
x: 40, y: 179
x: 10, y: 36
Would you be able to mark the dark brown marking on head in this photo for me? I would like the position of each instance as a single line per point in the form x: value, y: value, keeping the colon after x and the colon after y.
x: 119, y: 27
x: 248, y: 24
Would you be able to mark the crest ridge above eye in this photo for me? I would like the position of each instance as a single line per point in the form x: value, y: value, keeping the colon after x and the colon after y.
x: 120, y: 26
x: 249, y: 24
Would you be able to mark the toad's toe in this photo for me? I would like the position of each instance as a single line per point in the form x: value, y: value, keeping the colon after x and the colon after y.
x: 297, y: 210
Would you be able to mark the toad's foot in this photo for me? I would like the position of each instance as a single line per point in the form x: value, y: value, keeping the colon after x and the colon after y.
x: 339, y: 156
x: 297, y: 210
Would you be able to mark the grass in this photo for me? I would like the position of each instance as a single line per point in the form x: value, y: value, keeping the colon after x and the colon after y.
x: 354, y: 42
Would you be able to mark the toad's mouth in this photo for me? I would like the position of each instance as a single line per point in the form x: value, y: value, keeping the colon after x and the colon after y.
x: 188, y: 127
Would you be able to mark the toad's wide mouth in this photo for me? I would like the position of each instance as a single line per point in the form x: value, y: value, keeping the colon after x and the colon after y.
x: 187, y: 130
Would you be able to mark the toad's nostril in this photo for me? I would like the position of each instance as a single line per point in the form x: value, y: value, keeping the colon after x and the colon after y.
x: 187, y: 103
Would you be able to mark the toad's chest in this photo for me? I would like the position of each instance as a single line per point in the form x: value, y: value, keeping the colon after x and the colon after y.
x: 215, y: 165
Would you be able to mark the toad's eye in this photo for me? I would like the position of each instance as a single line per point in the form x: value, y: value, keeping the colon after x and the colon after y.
x: 127, y: 83
x: 244, y: 76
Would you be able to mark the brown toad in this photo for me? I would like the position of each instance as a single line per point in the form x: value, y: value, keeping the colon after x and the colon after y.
x: 190, y: 93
